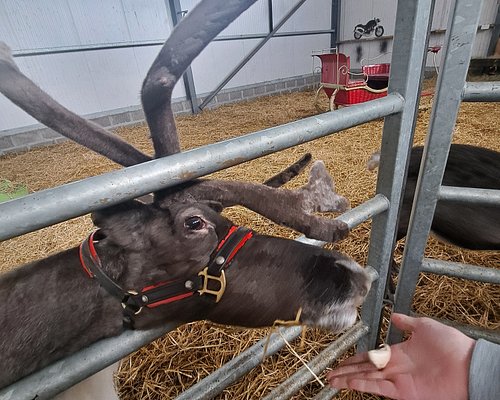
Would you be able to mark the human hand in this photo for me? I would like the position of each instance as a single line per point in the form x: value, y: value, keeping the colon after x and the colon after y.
x: 432, y: 364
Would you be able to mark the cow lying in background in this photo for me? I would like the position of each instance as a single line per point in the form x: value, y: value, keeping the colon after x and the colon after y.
x: 471, y: 226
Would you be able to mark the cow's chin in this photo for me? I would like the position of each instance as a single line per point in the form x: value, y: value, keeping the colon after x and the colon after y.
x: 334, y: 317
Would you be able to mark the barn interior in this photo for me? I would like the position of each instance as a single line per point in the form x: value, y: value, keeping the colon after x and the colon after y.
x: 168, y: 366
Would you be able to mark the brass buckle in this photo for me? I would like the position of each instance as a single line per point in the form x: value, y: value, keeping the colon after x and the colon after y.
x: 221, y: 279
x: 124, y: 306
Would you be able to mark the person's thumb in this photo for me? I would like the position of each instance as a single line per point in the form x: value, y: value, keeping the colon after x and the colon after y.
x: 404, y: 322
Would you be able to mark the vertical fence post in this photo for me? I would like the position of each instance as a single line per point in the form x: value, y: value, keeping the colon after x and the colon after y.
x: 413, y: 21
x: 460, y: 34
x: 177, y: 14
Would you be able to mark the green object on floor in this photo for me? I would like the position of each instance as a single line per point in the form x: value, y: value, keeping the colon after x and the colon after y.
x: 11, y: 190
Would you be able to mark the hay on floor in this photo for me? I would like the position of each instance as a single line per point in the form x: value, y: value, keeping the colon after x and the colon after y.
x: 166, y: 367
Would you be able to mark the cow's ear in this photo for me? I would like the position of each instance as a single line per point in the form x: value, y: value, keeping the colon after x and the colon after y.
x: 124, y: 224
x: 214, y: 205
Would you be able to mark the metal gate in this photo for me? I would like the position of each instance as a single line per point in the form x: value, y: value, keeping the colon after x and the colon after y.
x: 399, y: 108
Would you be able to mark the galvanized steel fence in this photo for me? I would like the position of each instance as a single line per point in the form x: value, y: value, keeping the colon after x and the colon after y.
x: 399, y: 108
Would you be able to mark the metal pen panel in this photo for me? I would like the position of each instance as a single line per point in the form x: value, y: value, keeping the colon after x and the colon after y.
x: 410, y: 48
x: 236, y: 368
x: 481, y: 91
x: 326, y: 393
x: 461, y: 270
x: 51, y: 206
x: 466, y: 195
x: 318, y: 364
x: 61, y: 375
x: 51, y: 380
x: 453, y: 70
x: 473, y: 331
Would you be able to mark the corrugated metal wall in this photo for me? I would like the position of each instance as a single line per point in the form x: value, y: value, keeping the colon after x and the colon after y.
x: 374, y: 51
x: 91, y: 82
x: 279, y: 58
x: 86, y: 82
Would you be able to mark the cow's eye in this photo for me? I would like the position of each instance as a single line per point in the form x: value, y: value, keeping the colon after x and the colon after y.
x: 194, y: 223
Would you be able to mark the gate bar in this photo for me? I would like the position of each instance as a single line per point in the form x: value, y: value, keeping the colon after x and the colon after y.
x: 374, y: 206
x: 472, y: 331
x: 326, y: 393
x: 61, y: 375
x: 215, y: 383
x: 367, y: 210
x: 413, y: 19
x: 489, y: 197
x: 319, y: 363
x: 481, y: 91
x: 459, y: 39
x: 51, y: 206
x: 461, y: 270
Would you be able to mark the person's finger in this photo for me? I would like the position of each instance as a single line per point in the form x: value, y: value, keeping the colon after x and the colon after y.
x: 355, y: 359
x: 381, y: 387
x: 358, y: 368
x: 366, y: 374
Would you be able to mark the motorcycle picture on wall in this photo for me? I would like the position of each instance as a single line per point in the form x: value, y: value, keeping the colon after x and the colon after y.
x: 373, y: 25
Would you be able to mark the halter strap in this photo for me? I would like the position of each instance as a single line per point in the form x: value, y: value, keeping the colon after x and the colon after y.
x: 161, y: 293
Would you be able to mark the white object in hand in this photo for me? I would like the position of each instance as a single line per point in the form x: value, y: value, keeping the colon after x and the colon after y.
x: 381, y: 356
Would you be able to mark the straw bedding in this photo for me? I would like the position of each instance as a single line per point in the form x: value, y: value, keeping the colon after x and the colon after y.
x: 169, y: 365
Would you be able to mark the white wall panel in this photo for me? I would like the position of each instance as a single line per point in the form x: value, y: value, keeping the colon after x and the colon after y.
x: 30, y: 24
x: 99, y: 21
x: 115, y: 77
x: 86, y: 82
x: 66, y: 77
x: 90, y: 82
x: 279, y: 58
x: 147, y: 19
x: 312, y: 15
x: 440, y: 16
x: 37, y: 24
x: 361, y: 11
x: 253, y: 20
x: 363, y: 51
x: 97, y: 81
x: 215, y: 62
